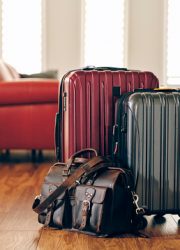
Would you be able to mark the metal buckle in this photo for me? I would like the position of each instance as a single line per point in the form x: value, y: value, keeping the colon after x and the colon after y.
x: 115, y: 148
x: 139, y: 210
x: 78, y: 182
x: 86, y: 205
x: 65, y: 172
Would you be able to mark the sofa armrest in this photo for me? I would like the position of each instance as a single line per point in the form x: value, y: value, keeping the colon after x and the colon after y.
x: 28, y: 91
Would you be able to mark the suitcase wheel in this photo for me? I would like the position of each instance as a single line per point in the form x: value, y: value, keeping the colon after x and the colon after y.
x: 159, y: 219
x: 140, y: 222
x: 159, y: 215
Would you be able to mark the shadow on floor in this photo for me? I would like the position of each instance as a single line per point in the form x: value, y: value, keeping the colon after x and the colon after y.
x: 17, y: 156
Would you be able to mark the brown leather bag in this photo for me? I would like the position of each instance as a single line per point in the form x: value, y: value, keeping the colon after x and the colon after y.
x: 88, y: 195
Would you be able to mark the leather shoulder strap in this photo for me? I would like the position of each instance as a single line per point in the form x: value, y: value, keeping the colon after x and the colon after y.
x: 85, y: 168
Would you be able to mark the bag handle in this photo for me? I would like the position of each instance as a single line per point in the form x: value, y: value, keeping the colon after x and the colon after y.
x: 80, y: 152
x: 74, y: 159
x: 84, y: 169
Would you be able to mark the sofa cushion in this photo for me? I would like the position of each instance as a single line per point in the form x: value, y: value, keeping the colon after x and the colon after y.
x: 7, y: 72
x: 50, y: 74
x: 29, y: 91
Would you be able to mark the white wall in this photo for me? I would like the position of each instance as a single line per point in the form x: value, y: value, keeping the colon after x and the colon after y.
x: 63, y: 35
x: 145, y: 35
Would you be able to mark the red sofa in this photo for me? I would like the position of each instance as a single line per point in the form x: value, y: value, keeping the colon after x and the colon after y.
x: 27, y: 113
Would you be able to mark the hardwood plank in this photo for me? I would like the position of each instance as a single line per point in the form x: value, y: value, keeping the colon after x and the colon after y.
x: 60, y: 239
x: 55, y: 239
x: 18, y: 206
x: 2, y: 216
x: 159, y: 244
x: 21, y: 216
x: 16, y: 178
x: 19, y: 240
x: 7, y: 194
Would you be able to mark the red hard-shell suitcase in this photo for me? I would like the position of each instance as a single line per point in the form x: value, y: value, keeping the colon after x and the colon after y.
x: 86, y: 107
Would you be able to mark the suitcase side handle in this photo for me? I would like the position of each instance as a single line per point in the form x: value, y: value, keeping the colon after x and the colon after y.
x: 57, y: 136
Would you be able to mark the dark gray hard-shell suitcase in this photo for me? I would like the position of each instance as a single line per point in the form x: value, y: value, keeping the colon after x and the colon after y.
x: 147, y: 139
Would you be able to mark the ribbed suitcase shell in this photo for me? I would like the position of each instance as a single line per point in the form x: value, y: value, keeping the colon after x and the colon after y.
x: 148, y: 134
x: 87, y: 107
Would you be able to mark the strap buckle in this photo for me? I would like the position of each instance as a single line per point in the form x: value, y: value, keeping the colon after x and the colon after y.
x: 86, y: 204
x: 65, y: 172
x: 49, y: 215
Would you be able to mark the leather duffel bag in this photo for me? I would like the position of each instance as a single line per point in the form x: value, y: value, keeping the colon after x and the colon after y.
x: 88, y: 195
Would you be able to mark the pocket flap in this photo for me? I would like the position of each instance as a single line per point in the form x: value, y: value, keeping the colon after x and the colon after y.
x: 99, y: 193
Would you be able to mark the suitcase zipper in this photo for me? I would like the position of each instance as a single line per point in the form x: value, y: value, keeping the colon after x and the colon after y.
x: 120, y: 126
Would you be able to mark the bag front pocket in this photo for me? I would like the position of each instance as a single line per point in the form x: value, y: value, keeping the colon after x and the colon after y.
x: 62, y: 211
x: 91, y: 209
x: 57, y: 214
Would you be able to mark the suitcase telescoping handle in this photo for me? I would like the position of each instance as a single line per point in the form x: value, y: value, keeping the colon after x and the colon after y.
x: 104, y: 68
x: 164, y: 90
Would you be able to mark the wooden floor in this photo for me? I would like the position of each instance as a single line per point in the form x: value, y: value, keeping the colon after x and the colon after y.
x: 20, y: 181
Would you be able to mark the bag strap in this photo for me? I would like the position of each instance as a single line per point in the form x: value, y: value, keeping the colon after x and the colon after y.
x: 84, y: 169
